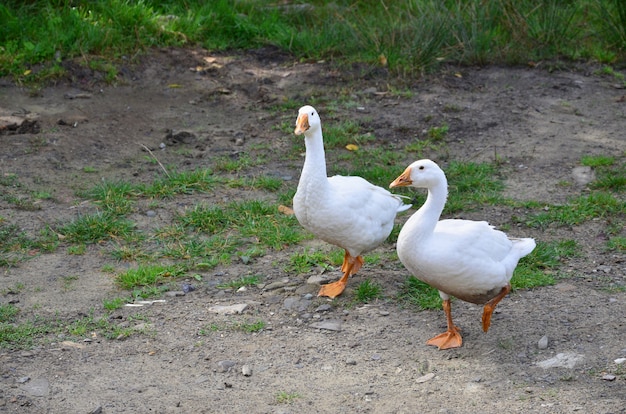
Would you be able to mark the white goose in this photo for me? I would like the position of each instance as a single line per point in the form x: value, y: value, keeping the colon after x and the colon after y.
x: 348, y: 212
x: 466, y: 259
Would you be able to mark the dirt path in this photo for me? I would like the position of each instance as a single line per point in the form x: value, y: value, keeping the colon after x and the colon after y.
x: 361, y: 359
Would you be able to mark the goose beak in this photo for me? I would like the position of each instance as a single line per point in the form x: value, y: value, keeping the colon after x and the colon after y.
x: 302, y: 124
x: 403, y: 180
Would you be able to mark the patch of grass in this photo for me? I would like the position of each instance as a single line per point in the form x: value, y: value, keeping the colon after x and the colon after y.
x: 306, y: 260
x: 438, y: 133
x: 89, y: 325
x: 249, y: 327
x: 148, y: 275
x: 94, y: 228
x: 22, y: 336
x: 16, y: 246
x: 8, y: 312
x: 408, y: 38
x: 113, y: 304
x: 538, y: 268
x: 77, y: 250
x: 419, y: 294
x: 578, y: 210
x: 184, y: 182
x: 368, y: 291
x: 284, y: 397
x: 338, y: 135
x: 113, y: 197
x: 252, y: 219
x: 597, y: 160
x: 617, y: 243
x: 251, y: 280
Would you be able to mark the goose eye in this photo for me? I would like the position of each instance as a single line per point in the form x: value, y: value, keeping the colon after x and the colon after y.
x: 421, y: 167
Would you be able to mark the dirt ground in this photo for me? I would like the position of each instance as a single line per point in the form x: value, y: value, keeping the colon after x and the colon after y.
x: 315, y: 355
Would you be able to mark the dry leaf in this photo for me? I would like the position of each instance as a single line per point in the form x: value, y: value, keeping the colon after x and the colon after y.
x: 174, y: 86
x: 458, y: 75
x: 352, y: 147
x: 285, y: 210
x: 382, y: 59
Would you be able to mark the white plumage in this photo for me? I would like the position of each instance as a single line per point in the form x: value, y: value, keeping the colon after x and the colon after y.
x: 466, y: 259
x: 348, y: 212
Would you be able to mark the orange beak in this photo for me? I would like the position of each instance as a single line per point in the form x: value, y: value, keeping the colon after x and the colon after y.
x: 302, y: 124
x: 403, y: 180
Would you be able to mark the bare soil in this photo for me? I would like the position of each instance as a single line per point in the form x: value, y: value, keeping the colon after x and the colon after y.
x: 538, y: 123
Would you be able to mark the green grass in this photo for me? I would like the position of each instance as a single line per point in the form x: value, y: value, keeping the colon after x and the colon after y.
x: 97, y: 227
x: 416, y: 293
x: 368, y: 291
x: 597, y: 205
x: 284, y: 397
x: 408, y: 38
x: 241, y: 282
x: 247, y: 327
x: 148, y: 275
x: 255, y: 220
x: 540, y: 266
x: 17, y: 246
x: 8, y: 312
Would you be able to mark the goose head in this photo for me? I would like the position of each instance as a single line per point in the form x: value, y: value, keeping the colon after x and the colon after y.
x: 420, y: 174
x: 308, y: 120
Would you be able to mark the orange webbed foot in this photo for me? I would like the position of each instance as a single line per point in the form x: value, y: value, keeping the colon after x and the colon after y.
x: 332, y: 290
x: 449, y: 339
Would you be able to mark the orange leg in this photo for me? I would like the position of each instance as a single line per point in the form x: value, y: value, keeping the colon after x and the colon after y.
x: 350, y: 266
x: 452, y: 337
x: 491, y: 305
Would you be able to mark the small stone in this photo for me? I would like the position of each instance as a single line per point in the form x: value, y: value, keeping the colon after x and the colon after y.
x: 162, y: 145
x: 327, y: 325
x: 308, y: 296
x: 151, y: 213
x: 225, y: 366
x: 229, y: 309
x: 316, y: 279
x: 23, y: 380
x: 543, y: 342
x: 619, y: 361
x: 383, y: 313
x: 376, y: 357
x: 425, y: 378
x: 323, y: 308
x: 609, y: 377
x: 246, y: 370
x: 603, y: 268
x: 187, y: 287
x: 350, y: 361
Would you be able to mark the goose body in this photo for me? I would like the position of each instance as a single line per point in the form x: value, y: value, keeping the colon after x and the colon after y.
x: 470, y: 260
x: 346, y: 211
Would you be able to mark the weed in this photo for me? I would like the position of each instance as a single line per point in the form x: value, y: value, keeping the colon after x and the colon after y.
x: 113, y: 304
x: 284, y: 397
x: 8, y: 312
x: 419, y: 294
x: 367, y: 291
x: 148, y: 275
x: 242, y: 281
x: 93, y: 228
